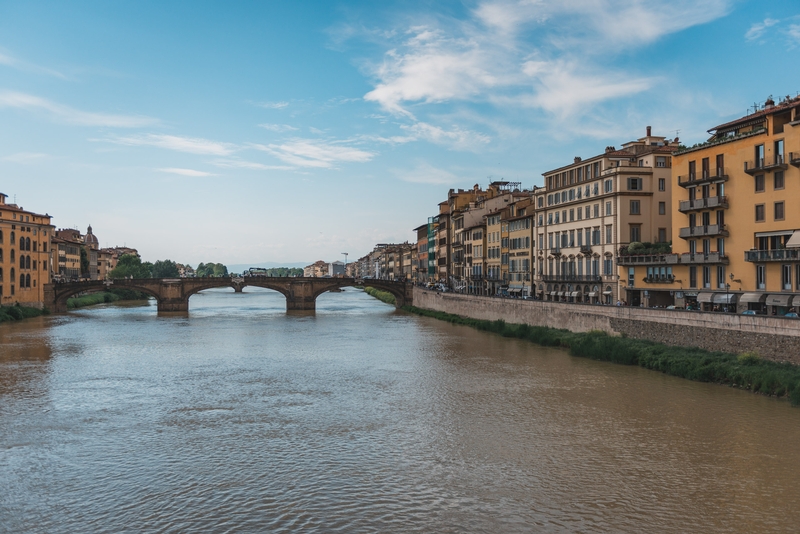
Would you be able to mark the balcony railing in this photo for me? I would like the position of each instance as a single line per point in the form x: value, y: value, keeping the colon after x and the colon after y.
x: 702, y: 178
x: 706, y: 230
x: 763, y: 165
x: 659, y: 279
x: 586, y: 249
x: 572, y: 278
x: 648, y: 259
x: 780, y: 254
x: 720, y: 201
x: 711, y: 257
x: 794, y: 158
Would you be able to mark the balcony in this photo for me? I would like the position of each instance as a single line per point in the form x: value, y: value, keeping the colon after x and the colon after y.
x: 555, y: 251
x: 572, y: 278
x: 703, y: 231
x: 703, y: 178
x: 780, y: 254
x: 794, y: 158
x: 763, y: 165
x: 659, y: 279
x: 703, y: 203
x: 586, y: 250
x: 698, y: 258
x: 648, y: 259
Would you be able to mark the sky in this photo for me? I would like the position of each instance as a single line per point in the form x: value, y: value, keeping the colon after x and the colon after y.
x: 250, y: 132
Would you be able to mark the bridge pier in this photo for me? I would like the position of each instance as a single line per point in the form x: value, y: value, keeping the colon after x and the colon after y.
x: 173, y: 305
x: 300, y: 304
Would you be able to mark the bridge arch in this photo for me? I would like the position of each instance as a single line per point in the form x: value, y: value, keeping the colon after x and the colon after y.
x: 62, y: 293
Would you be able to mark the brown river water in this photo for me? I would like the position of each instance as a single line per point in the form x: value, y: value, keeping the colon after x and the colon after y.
x: 239, y: 417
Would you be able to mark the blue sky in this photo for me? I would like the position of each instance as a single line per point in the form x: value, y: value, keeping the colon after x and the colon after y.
x: 248, y: 132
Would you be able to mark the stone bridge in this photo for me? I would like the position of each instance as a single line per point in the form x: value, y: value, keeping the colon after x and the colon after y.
x: 172, y: 294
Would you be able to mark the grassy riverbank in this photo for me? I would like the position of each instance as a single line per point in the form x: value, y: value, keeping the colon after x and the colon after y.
x: 383, y: 296
x: 16, y: 313
x: 102, y: 297
x: 745, y: 371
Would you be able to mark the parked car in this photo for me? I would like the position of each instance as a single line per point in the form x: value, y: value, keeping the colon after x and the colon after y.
x: 792, y: 314
x: 749, y: 312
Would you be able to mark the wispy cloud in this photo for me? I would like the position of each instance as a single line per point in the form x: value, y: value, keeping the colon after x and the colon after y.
x: 794, y: 35
x: 26, y: 157
x: 424, y: 173
x: 315, y: 153
x: 185, y: 172
x: 278, y: 127
x: 455, y: 138
x: 757, y: 29
x: 11, y: 61
x: 272, y: 105
x: 69, y: 115
x: 252, y: 165
x: 191, y: 145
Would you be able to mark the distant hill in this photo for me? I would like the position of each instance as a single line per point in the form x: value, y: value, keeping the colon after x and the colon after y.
x: 241, y: 267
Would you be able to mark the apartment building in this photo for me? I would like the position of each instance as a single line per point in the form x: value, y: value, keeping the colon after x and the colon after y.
x: 24, y: 254
x: 589, y: 209
x: 518, y: 252
x: 736, y: 236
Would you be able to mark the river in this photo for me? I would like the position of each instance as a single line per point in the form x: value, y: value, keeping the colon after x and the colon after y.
x: 239, y: 417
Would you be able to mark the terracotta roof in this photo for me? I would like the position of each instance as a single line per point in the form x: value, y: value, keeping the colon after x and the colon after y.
x: 787, y: 104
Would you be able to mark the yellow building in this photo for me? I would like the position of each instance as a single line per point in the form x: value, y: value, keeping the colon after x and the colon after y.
x: 735, y: 230
x: 591, y: 208
x: 519, y: 247
x: 24, y: 255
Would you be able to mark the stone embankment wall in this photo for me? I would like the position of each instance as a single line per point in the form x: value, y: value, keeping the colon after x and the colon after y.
x: 773, y: 338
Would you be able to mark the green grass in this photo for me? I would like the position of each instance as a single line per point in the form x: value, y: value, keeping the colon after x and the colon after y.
x: 383, y: 296
x: 746, y: 371
x: 102, y: 297
x: 17, y: 312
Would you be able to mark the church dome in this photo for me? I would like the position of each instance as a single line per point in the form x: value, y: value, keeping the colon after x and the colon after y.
x: 91, y: 239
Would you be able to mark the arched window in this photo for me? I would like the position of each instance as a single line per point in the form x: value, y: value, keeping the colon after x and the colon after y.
x: 34, y: 246
x: 1, y: 236
x: 27, y: 243
x: 21, y: 243
x: 27, y: 262
x: 21, y: 261
x: 12, y: 238
x: 12, y: 256
x: 1, y: 255
x: 12, y: 275
x: 1, y: 274
x: 27, y: 280
x: 21, y: 280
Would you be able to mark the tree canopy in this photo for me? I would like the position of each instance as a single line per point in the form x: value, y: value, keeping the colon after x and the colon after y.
x: 164, y: 269
x: 285, y: 271
x: 211, y: 269
x: 131, y: 266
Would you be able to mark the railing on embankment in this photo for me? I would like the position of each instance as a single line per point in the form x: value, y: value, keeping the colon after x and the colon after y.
x: 774, y: 338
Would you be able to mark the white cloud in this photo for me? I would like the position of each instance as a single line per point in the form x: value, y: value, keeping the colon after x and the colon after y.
x: 26, y: 157
x: 425, y: 173
x: 757, y: 29
x: 252, y: 165
x: 794, y: 35
x: 62, y: 113
x: 315, y: 130
x: 185, y: 172
x: 273, y: 105
x: 191, y: 145
x: 315, y: 153
x: 18, y: 64
x: 278, y: 127
x: 455, y: 138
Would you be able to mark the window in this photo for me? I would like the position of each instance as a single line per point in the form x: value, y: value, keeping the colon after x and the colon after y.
x: 608, y: 266
x: 661, y: 161
x: 608, y: 208
x: 632, y: 276
x: 761, y: 277
x: 635, y: 207
x: 634, y: 184
x: 609, y: 233
x: 636, y: 232
x: 721, y: 277
x: 588, y: 212
x: 759, y: 183
x: 662, y: 184
x: 779, y: 211
x: 786, y: 277
x: 662, y: 208
x: 759, y: 156
x: 596, y: 235
x: 779, y: 151
x: 571, y: 215
x: 692, y: 167
x: 778, y: 180
x: 597, y: 210
x: 759, y: 212
x: 662, y: 235
x: 692, y: 276
x: 608, y: 186
x: 580, y: 214
x: 706, y: 276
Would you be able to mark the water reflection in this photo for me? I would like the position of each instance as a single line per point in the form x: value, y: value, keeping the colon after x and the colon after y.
x: 239, y: 416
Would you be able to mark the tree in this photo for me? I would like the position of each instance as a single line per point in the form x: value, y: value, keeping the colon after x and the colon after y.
x: 165, y: 269
x: 84, y: 263
x: 211, y: 269
x: 131, y: 266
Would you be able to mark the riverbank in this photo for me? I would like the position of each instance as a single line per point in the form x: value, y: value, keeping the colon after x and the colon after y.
x: 383, y: 296
x: 17, y: 313
x: 744, y: 371
x: 103, y: 297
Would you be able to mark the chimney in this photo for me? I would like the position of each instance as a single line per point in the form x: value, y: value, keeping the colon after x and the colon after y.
x: 610, y: 149
x: 577, y: 159
x: 769, y: 103
x: 649, y: 131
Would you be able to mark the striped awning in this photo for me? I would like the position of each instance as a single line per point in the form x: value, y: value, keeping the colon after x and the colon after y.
x: 705, y: 297
x: 749, y: 298
x: 779, y: 300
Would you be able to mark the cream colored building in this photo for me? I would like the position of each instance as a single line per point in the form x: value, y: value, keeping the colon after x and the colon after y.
x: 589, y: 209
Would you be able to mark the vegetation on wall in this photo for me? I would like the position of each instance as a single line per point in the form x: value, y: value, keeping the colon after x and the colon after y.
x: 102, y: 297
x: 745, y: 371
x: 637, y: 248
x: 383, y: 296
x: 17, y: 312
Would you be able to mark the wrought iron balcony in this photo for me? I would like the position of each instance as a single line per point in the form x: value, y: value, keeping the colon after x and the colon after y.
x: 703, y: 203
x: 703, y: 178
x: 586, y: 249
x: 701, y: 231
x: 572, y: 278
x: 711, y: 257
x: 648, y: 259
x: 794, y: 158
x: 764, y: 165
x: 780, y: 254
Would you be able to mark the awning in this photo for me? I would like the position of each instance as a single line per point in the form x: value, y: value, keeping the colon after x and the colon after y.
x: 796, y: 301
x: 607, y: 292
x: 515, y: 290
x: 724, y: 298
x: 552, y: 293
x: 592, y: 294
x: 705, y: 297
x: 794, y: 241
x: 779, y: 300
x: 574, y: 293
x: 771, y: 234
x: 748, y: 298
x: 560, y: 293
